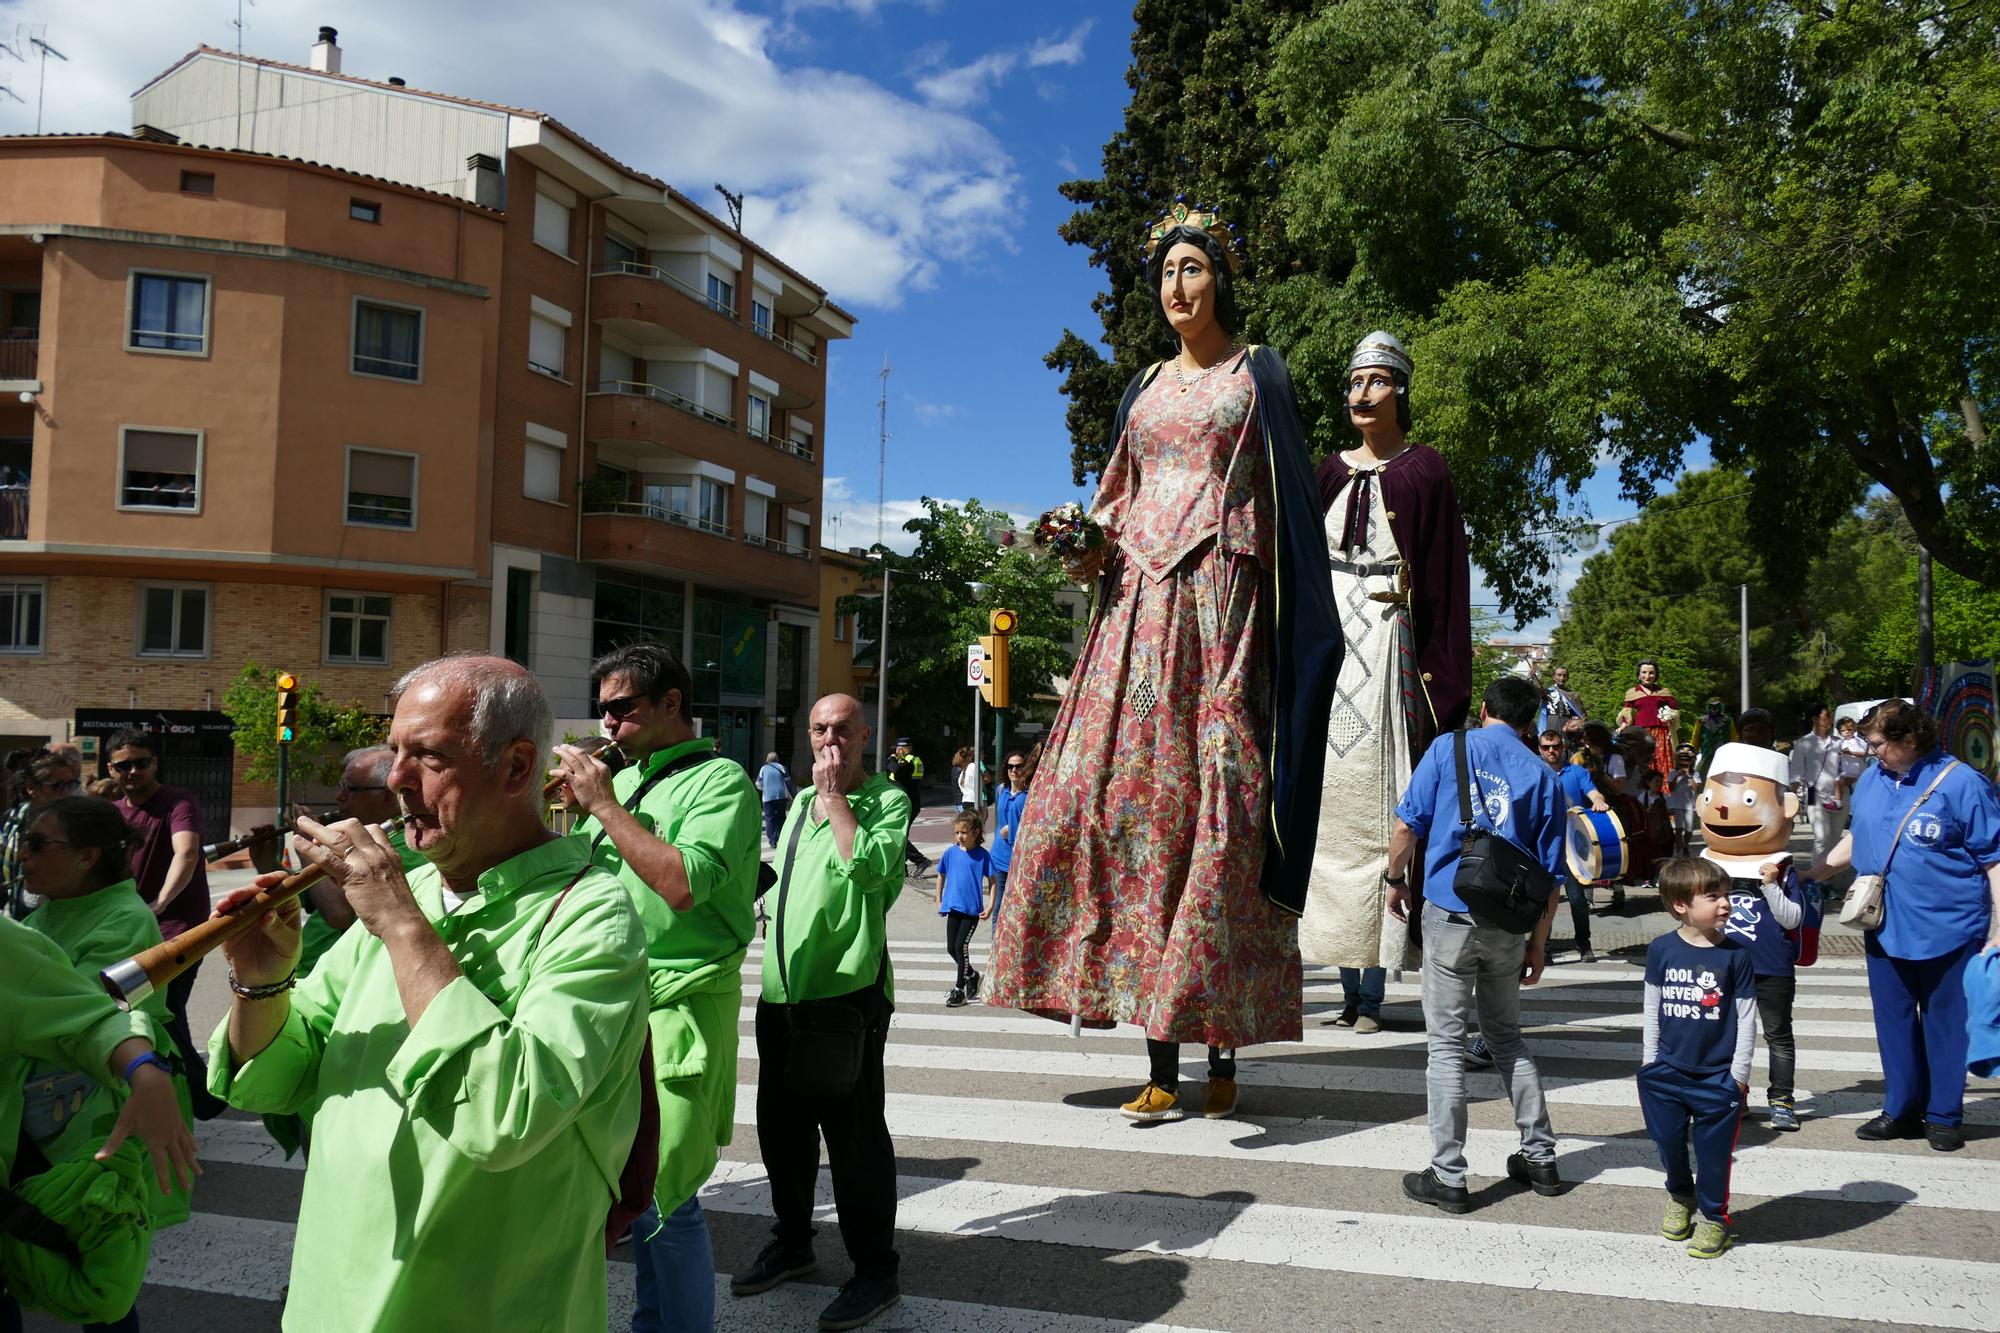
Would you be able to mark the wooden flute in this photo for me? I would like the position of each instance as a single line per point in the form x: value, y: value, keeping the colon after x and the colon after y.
x: 148, y: 971
x: 242, y: 840
x: 604, y: 748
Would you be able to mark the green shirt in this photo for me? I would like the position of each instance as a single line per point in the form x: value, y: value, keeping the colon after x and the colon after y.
x: 317, y: 935
x: 94, y: 932
x: 461, y: 1168
x: 829, y: 924
x: 48, y: 1012
x: 710, y: 813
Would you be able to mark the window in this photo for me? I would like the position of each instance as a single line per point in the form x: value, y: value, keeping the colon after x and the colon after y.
x: 23, y: 311
x: 388, y: 341
x: 551, y: 224
x: 519, y: 624
x: 173, y: 620
x: 760, y: 318
x: 21, y: 617
x: 721, y: 296
x: 756, y: 514
x: 357, y: 628
x: 714, y: 506
x: 631, y: 608
x: 381, y: 488
x: 168, y: 313
x: 364, y: 210
x: 197, y: 182
x: 798, y: 530
x: 160, y: 469
x: 619, y: 252
x: 760, y: 416
x: 840, y: 628
x: 541, y: 473
x: 548, y: 349
x: 667, y: 498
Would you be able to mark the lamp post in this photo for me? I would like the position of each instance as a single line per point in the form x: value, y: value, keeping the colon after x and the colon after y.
x: 882, y: 667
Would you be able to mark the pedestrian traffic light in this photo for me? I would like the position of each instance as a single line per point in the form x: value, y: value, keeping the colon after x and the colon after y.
x: 288, y: 708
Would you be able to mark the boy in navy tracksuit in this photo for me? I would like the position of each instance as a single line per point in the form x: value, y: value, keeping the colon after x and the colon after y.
x: 1762, y: 913
x: 1694, y: 1065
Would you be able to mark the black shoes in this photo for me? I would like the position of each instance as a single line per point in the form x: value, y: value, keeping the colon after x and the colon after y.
x: 1539, y: 1175
x: 1424, y: 1187
x: 1944, y: 1138
x: 859, y: 1301
x: 1885, y: 1127
x: 774, y: 1267
x: 972, y: 986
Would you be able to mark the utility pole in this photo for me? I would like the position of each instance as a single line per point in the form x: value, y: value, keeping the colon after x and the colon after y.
x: 882, y: 451
x: 1743, y: 647
x: 882, y: 554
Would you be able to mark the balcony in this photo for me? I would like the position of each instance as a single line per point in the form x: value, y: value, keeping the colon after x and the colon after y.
x: 19, y: 358
x: 765, y: 332
x: 796, y: 448
x: 777, y: 544
x: 648, y: 538
x: 14, y: 512
x: 665, y: 397
x: 626, y: 291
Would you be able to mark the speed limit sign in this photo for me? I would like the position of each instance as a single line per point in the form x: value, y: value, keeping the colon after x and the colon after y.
x: 975, y: 665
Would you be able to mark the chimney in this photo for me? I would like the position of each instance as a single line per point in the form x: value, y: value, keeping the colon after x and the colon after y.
x: 482, y: 180
x: 326, y: 52
x: 153, y: 134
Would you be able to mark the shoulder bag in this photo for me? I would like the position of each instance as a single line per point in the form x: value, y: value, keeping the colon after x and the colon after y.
x: 1503, y: 887
x: 825, y: 1039
x: 1866, y: 906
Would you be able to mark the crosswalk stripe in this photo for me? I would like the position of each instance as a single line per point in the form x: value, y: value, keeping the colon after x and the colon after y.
x: 1779, y: 1279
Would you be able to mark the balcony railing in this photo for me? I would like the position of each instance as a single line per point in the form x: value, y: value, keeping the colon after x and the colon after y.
x: 798, y: 350
x: 13, y: 513
x: 18, y: 358
x: 633, y: 269
x: 779, y: 545
x: 797, y: 448
x: 667, y: 396
x: 659, y: 513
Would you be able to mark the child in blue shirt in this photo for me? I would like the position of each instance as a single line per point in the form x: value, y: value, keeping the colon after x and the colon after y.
x: 1763, y: 914
x: 965, y: 874
x: 1694, y: 1062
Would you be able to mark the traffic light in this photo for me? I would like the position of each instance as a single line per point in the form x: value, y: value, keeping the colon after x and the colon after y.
x: 995, y: 687
x: 288, y: 708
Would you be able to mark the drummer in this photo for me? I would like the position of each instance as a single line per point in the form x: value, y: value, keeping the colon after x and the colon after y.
x: 1580, y: 791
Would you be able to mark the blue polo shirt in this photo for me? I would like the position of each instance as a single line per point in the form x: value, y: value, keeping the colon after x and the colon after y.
x: 1577, y: 785
x: 1517, y: 798
x: 1937, y: 897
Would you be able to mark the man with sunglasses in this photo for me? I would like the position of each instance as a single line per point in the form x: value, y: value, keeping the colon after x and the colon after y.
x: 678, y: 826
x: 170, y: 875
x: 363, y: 794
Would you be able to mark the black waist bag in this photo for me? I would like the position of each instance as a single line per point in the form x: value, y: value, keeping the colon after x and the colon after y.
x: 1501, y: 885
x: 825, y: 1039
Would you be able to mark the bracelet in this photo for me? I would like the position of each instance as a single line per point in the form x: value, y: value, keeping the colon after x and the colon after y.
x: 147, y: 1058
x: 276, y: 988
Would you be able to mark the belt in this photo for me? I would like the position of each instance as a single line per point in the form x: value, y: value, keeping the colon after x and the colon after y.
x: 1394, y: 569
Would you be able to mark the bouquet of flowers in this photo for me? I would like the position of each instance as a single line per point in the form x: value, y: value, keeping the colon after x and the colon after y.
x: 1067, y: 532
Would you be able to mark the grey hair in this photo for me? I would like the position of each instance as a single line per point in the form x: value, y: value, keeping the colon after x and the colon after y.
x: 507, y: 703
x: 378, y: 757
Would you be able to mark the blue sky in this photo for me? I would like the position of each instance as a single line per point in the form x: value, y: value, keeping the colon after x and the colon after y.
x: 905, y: 154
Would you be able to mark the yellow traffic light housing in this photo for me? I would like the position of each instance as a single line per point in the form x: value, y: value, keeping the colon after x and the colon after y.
x: 994, y: 687
x: 1002, y: 621
x: 288, y: 708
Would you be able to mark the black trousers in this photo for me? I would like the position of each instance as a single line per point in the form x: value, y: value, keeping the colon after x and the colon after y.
x: 858, y: 1149
x: 958, y: 928
x: 1579, y: 909
x: 206, y: 1104
x: 1774, y: 1013
x: 1165, y: 1059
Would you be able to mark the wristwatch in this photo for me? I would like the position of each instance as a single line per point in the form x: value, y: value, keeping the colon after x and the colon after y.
x: 149, y: 1058
x: 1401, y: 881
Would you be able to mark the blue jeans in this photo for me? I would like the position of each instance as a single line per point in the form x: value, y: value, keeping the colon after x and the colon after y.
x: 774, y: 819
x: 674, y: 1268
x: 1361, y: 989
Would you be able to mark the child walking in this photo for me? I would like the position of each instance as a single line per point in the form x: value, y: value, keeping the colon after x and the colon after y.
x: 1764, y: 918
x: 965, y: 875
x: 1694, y: 1064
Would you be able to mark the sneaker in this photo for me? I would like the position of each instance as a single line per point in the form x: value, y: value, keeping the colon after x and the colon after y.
x: 972, y: 987
x: 1944, y: 1138
x: 1541, y: 1176
x: 1678, y: 1224
x: 1345, y: 1018
x: 1153, y: 1103
x: 1885, y: 1127
x: 955, y: 1000
x: 1367, y: 1024
x: 1586, y: 954
x: 1424, y: 1187
x: 1476, y: 1054
x: 774, y: 1267
x: 860, y: 1301
x: 1218, y: 1099
x: 1783, y: 1118
x: 1710, y: 1240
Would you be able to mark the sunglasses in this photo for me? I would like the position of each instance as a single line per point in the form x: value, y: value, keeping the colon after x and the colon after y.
x: 1017, y: 765
x: 620, y: 706
x: 37, y: 843
x: 350, y: 787
x: 132, y: 765
x: 73, y: 784
x: 1552, y: 745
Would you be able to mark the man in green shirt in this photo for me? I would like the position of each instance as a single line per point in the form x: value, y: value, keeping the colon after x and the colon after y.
x: 678, y: 825
x: 840, y: 861
x: 469, y: 1055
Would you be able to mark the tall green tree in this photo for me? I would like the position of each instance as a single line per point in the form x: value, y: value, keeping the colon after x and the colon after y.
x: 935, y: 612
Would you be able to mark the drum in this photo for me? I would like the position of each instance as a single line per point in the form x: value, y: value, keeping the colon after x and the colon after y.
x: 1596, y: 846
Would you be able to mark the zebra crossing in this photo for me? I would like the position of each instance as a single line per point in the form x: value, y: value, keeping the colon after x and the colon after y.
x: 1028, y: 1204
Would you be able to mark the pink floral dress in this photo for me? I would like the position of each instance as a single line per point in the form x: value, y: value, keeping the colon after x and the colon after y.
x: 1134, y: 894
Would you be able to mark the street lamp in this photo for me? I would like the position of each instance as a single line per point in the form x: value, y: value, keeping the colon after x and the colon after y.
x: 882, y: 667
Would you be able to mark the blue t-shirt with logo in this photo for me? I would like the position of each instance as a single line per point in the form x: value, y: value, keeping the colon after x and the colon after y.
x: 1937, y: 898
x: 1752, y: 927
x: 1699, y: 988
x: 965, y: 875
x: 1517, y: 797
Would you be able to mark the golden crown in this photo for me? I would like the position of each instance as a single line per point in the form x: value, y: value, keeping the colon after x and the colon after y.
x: 1201, y: 219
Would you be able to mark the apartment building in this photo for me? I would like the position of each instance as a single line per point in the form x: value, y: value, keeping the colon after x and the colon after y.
x: 658, y: 414
x: 845, y: 574
x: 246, y: 405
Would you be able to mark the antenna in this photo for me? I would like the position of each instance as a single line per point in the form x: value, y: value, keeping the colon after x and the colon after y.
x: 735, y: 202
x: 11, y: 93
x: 33, y: 32
x: 239, y: 24
x: 882, y: 452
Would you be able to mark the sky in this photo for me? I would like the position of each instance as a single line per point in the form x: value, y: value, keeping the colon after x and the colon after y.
x: 904, y: 154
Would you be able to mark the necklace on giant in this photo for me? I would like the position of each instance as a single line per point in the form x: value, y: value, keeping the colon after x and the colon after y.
x: 1189, y: 381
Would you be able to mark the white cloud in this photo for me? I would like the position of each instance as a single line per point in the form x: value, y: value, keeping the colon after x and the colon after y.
x: 867, y: 191
x: 848, y: 520
x: 956, y: 87
x: 1061, y: 51
x: 931, y: 414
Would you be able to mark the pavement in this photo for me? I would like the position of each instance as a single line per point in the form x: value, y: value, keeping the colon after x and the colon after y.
x: 1029, y: 1206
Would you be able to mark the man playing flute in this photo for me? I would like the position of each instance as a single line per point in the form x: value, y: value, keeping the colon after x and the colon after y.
x: 469, y: 1055
x: 678, y: 825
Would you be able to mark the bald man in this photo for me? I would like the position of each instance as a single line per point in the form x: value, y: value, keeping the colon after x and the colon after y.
x: 841, y: 868
x: 469, y: 1053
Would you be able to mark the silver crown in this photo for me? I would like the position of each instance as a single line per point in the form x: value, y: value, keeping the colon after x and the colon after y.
x: 1380, y: 348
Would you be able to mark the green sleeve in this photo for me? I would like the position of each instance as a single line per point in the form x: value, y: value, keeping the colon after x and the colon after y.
x: 284, y: 1076
x: 52, y: 1013
x: 718, y: 830
x: 884, y: 825
x: 499, y: 1089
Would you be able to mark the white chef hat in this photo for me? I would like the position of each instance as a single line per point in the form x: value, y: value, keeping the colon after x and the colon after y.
x: 1752, y: 761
